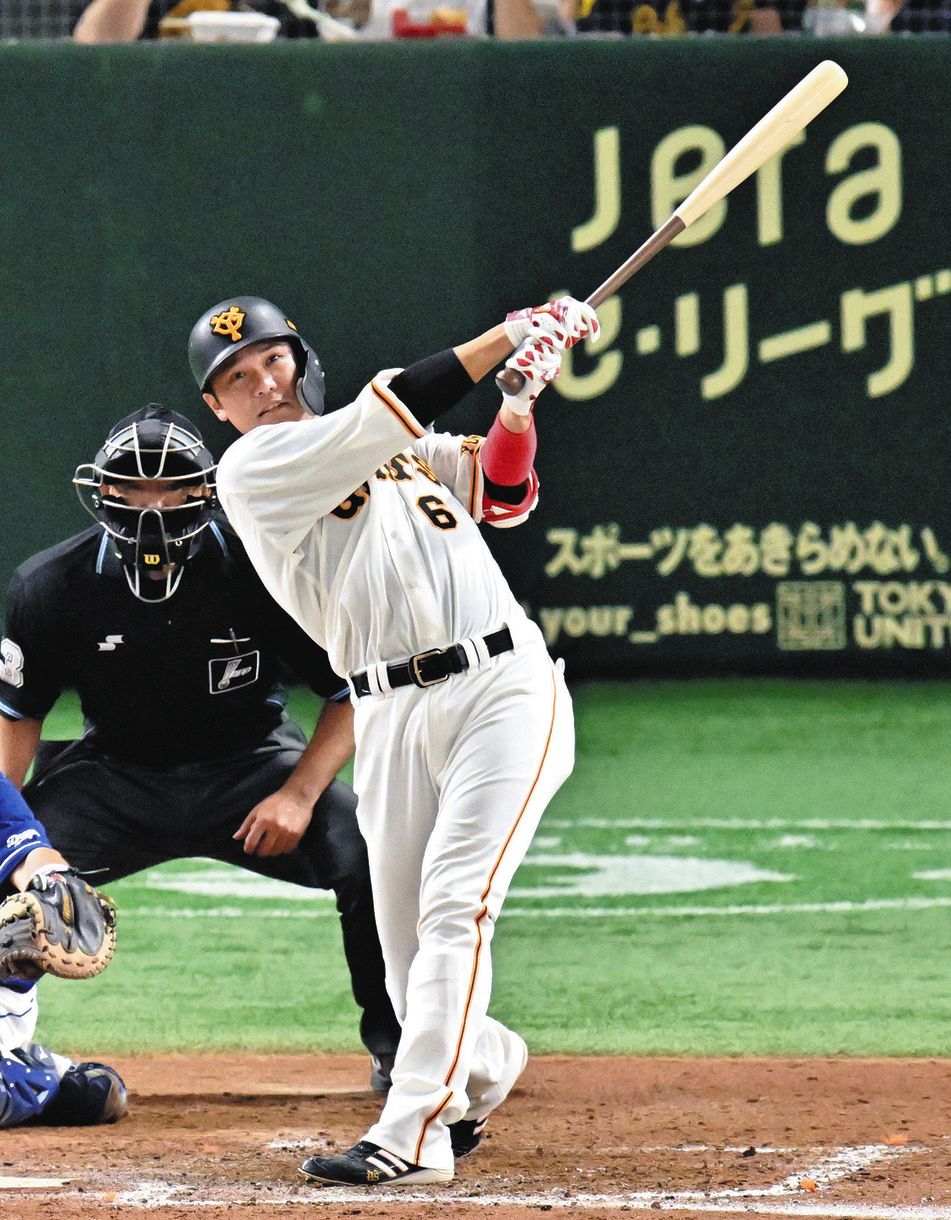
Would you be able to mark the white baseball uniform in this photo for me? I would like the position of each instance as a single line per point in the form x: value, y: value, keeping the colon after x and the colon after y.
x: 362, y: 525
x: 18, y: 1016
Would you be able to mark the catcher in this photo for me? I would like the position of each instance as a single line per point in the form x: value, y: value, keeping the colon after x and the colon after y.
x: 52, y: 922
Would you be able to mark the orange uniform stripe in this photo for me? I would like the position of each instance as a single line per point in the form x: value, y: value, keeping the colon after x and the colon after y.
x: 476, y: 468
x: 480, y: 918
x: 411, y: 426
x: 429, y: 1118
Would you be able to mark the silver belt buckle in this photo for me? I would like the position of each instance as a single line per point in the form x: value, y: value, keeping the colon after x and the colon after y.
x: 414, y: 668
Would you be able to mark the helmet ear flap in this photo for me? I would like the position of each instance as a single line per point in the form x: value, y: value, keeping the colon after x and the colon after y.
x: 310, y: 386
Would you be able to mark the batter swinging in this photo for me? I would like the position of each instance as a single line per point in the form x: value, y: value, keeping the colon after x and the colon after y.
x: 363, y: 526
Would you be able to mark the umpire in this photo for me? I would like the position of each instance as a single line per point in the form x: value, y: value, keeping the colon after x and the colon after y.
x: 157, y: 619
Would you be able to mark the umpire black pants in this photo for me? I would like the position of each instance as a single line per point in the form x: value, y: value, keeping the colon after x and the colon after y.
x: 110, y: 814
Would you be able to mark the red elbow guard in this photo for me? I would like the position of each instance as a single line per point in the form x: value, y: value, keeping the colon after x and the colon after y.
x: 507, y: 457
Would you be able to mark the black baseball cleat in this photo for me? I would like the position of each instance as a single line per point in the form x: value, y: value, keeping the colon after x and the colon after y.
x: 466, y: 1135
x: 367, y: 1164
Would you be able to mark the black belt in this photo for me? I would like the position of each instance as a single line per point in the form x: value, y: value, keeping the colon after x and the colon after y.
x: 435, y: 666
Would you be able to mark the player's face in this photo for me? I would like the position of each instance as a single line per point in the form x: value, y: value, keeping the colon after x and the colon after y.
x: 257, y: 386
x: 158, y: 494
x: 154, y: 493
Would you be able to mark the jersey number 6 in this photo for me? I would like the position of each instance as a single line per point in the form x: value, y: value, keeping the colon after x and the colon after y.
x: 437, y: 512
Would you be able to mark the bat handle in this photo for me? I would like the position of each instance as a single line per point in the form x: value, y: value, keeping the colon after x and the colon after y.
x: 510, y: 381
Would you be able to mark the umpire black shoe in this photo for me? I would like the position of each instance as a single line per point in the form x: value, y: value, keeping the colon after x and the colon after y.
x: 381, y: 1073
x: 367, y: 1164
x: 466, y: 1135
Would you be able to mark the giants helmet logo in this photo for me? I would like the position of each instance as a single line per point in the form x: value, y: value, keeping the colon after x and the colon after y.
x: 228, y: 323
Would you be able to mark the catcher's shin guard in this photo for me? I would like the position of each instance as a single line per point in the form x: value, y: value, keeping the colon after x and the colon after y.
x: 89, y: 1093
x: 29, y: 1084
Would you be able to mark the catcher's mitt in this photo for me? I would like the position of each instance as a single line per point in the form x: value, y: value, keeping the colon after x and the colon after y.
x: 58, y: 925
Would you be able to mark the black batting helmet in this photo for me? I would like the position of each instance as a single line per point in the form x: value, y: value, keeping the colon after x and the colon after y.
x: 153, y: 542
x: 235, y: 323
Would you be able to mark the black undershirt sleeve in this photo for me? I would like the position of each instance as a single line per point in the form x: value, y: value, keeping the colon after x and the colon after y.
x: 432, y: 385
x: 504, y: 494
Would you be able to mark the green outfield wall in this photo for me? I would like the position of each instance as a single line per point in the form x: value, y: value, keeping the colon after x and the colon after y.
x: 749, y: 471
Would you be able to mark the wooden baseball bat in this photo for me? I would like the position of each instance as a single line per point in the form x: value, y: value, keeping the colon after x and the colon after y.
x: 774, y: 131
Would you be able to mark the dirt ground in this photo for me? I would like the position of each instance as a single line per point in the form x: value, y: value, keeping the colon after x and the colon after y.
x: 222, y: 1136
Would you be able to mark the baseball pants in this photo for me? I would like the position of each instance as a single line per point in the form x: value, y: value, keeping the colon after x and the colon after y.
x: 452, y: 781
x: 18, y: 1013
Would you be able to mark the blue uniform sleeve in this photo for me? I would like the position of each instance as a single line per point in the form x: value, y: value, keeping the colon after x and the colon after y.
x: 20, y: 832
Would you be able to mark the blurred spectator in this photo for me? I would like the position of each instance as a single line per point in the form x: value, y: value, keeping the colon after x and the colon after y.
x: 127, y: 20
x: 526, y: 18
x: 675, y: 17
x: 837, y: 17
x: 923, y: 17
x: 335, y: 20
x: 112, y: 20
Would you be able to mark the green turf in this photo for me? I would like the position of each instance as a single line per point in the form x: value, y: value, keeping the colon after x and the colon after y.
x: 839, y: 789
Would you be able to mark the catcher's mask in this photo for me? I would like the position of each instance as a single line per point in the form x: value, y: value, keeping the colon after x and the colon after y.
x: 236, y: 323
x: 153, y: 539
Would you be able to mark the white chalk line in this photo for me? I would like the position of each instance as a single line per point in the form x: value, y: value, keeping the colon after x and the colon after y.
x: 688, y: 823
x: 8, y: 1183
x: 302, y: 1145
x: 828, y: 1170
x: 842, y: 1164
x: 298, y: 1145
x: 334, y: 1197
x: 328, y: 911
x: 778, y: 908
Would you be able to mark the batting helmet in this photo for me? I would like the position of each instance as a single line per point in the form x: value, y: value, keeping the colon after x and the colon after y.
x: 235, y: 323
x: 153, y: 541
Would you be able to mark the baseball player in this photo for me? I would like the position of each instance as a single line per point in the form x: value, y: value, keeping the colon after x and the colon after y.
x: 36, y: 1084
x: 157, y: 619
x: 363, y: 525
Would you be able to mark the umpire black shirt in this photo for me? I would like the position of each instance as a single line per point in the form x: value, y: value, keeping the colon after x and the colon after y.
x: 160, y: 683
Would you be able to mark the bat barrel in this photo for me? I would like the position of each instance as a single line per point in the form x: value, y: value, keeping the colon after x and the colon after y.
x: 773, y: 132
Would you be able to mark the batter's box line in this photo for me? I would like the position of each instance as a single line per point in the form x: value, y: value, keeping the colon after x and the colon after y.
x: 840, y: 1164
x: 332, y: 1197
